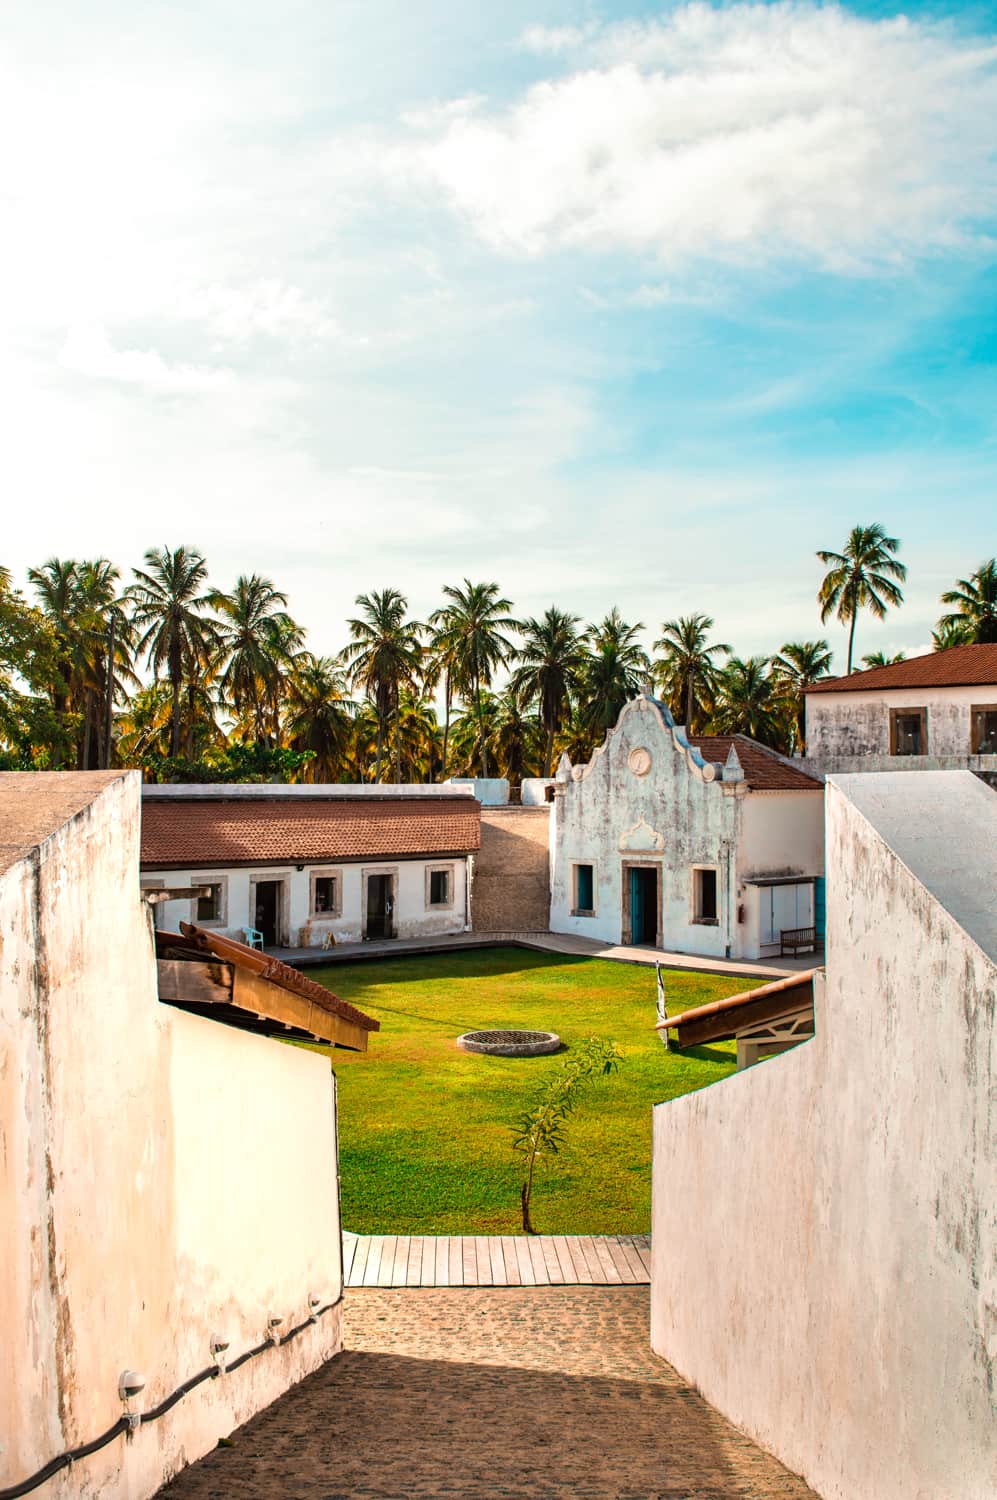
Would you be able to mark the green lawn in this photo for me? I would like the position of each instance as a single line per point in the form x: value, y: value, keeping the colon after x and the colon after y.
x: 424, y: 1127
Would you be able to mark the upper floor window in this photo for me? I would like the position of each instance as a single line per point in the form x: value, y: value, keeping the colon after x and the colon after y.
x: 908, y: 731
x: 983, y: 729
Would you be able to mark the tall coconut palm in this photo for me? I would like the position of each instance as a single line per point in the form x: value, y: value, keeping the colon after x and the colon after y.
x: 107, y: 637
x: 516, y: 738
x: 865, y: 575
x: 615, y: 667
x: 975, y: 598
x: 748, y: 702
x: 480, y: 619
x: 169, y: 600
x: 56, y: 585
x: 256, y: 640
x: 949, y: 633
x: 418, y: 738
x: 549, y: 672
x: 445, y: 662
x: 798, y: 666
x: 384, y: 656
x: 320, y: 715
x: 687, y: 668
x: 883, y: 659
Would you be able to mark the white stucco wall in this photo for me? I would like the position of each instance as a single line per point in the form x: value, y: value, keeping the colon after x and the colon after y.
x: 824, y: 1262
x: 671, y: 817
x: 413, y: 915
x: 850, y: 726
x: 162, y: 1179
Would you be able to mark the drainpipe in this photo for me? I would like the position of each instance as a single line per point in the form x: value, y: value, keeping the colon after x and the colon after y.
x: 468, y: 877
x: 727, y: 851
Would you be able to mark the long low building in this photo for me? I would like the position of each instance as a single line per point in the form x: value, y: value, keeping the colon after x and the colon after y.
x: 306, y: 866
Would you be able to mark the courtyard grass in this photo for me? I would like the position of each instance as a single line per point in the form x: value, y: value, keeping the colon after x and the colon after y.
x: 425, y: 1137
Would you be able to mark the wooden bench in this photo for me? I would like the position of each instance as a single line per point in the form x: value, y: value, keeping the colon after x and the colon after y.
x: 797, y: 940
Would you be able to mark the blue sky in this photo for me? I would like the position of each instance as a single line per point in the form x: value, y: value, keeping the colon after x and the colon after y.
x: 614, y: 304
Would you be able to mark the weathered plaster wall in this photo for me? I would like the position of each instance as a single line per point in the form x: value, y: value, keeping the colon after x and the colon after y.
x: 413, y: 915
x: 161, y: 1177
x: 843, y: 727
x: 510, y: 886
x: 533, y: 790
x: 824, y: 1234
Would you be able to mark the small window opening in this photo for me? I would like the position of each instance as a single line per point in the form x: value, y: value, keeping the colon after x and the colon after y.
x: 584, y: 890
x: 910, y: 732
x: 209, y: 907
x: 984, y: 731
x: 439, y: 887
x: 705, y: 895
x: 325, y: 893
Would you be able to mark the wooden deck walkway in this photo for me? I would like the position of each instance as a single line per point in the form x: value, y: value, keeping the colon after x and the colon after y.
x: 496, y: 1260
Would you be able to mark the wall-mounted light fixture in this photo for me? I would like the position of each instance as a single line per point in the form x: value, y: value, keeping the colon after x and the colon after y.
x: 219, y: 1344
x: 273, y: 1323
x: 130, y: 1382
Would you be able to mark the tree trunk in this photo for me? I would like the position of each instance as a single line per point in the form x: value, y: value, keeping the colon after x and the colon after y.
x: 446, y: 727
x: 109, y: 707
x: 851, y: 640
x: 176, y: 682
x: 549, y: 751
x: 84, y: 762
x: 524, y: 1200
x: 380, y: 745
x: 688, y: 704
x: 398, y: 740
x: 481, y: 730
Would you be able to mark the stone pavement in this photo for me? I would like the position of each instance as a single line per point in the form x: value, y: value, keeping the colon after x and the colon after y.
x: 509, y: 1394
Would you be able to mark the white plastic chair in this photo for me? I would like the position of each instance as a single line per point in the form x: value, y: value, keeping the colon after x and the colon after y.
x: 254, y: 938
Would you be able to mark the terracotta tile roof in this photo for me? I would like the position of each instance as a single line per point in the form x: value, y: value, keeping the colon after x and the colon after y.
x: 765, y: 770
x: 721, y: 1019
x: 178, y: 834
x: 959, y: 666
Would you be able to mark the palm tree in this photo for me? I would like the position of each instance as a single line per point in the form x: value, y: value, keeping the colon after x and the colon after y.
x: 418, y: 738
x: 687, y: 670
x: 480, y: 616
x: 169, y: 600
x: 551, y: 660
x: 384, y: 656
x: 615, y: 667
x: 949, y: 633
x: 320, y: 716
x: 882, y: 659
x: 515, y: 737
x: 975, y: 598
x: 866, y: 575
x: 107, y: 637
x: 798, y: 665
x: 56, y: 585
x: 444, y: 661
x: 257, y: 639
x: 748, y: 702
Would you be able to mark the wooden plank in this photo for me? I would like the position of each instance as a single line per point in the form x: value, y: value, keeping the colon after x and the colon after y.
x: 204, y: 983
x: 400, y: 1269
x: 642, y: 1245
x: 428, y: 1277
x: 617, y: 1255
x: 582, y: 1273
x: 511, y: 1260
x: 612, y: 1275
x: 587, y: 1249
x: 413, y: 1274
x: 442, y: 1268
x: 537, y: 1260
x: 497, y: 1258
x: 484, y: 1260
x: 387, y: 1265
x: 524, y: 1261
x: 456, y: 1270
x: 360, y: 1260
x: 550, y: 1259
x: 469, y: 1260
x: 625, y: 1255
x: 564, y: 1259
x: 254, y: 993
x: 349, y: 1251
x: 373, y: 1260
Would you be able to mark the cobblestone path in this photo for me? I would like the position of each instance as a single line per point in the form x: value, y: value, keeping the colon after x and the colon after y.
x: 508, y: 1394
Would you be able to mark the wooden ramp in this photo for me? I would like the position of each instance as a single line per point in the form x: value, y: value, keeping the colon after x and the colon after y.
x: 496, y: 1260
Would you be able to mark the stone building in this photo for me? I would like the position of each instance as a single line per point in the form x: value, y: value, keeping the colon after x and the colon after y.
x: 702, y: 844
x: 935, y: 712
x: 306, y: 864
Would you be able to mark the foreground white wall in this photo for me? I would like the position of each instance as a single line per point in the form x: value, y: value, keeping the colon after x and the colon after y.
x: 162, y: 1178
x: 825, y: 1225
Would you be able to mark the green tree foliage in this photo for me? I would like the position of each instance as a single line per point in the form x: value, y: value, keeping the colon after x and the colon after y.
x: 974, y: 619
x: 479, y: 622
x: 865, y: 575
x: 797, y: 666
x: 540, y: 1133
x: 384, y: 657
x: 686, y: 670
x: 169, y: 600
x: 549, y: 669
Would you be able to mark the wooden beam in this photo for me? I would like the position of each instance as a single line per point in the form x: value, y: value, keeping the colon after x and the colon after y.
x: 208, y: 983
x: 252, y: 992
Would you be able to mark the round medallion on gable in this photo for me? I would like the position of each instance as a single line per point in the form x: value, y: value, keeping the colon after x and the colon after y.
x: 639, y: 761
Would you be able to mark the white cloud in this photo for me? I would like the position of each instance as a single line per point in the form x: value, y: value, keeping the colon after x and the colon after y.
x: 88, y: 351
x: 269, y: 307
x: 556, y: 39
x: 749, y: 133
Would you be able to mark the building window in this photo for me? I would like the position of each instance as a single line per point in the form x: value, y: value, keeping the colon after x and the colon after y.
x: 209, y: 908
x: 325, y: 899
x: 584, y: 893
x: 439, y: 886
x: 908, y: 731
x: 704, y: 896
x: 983, y: 721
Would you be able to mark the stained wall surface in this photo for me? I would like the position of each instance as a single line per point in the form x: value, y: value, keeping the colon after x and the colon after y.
x: 510, y: 885
x: 162, y: 1178
x: 834, y: 1210
x: 848, y: 730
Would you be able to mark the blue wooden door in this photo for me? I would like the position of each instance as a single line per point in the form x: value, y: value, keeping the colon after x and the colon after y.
x: 636, y: 907
x: 820, y: 906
